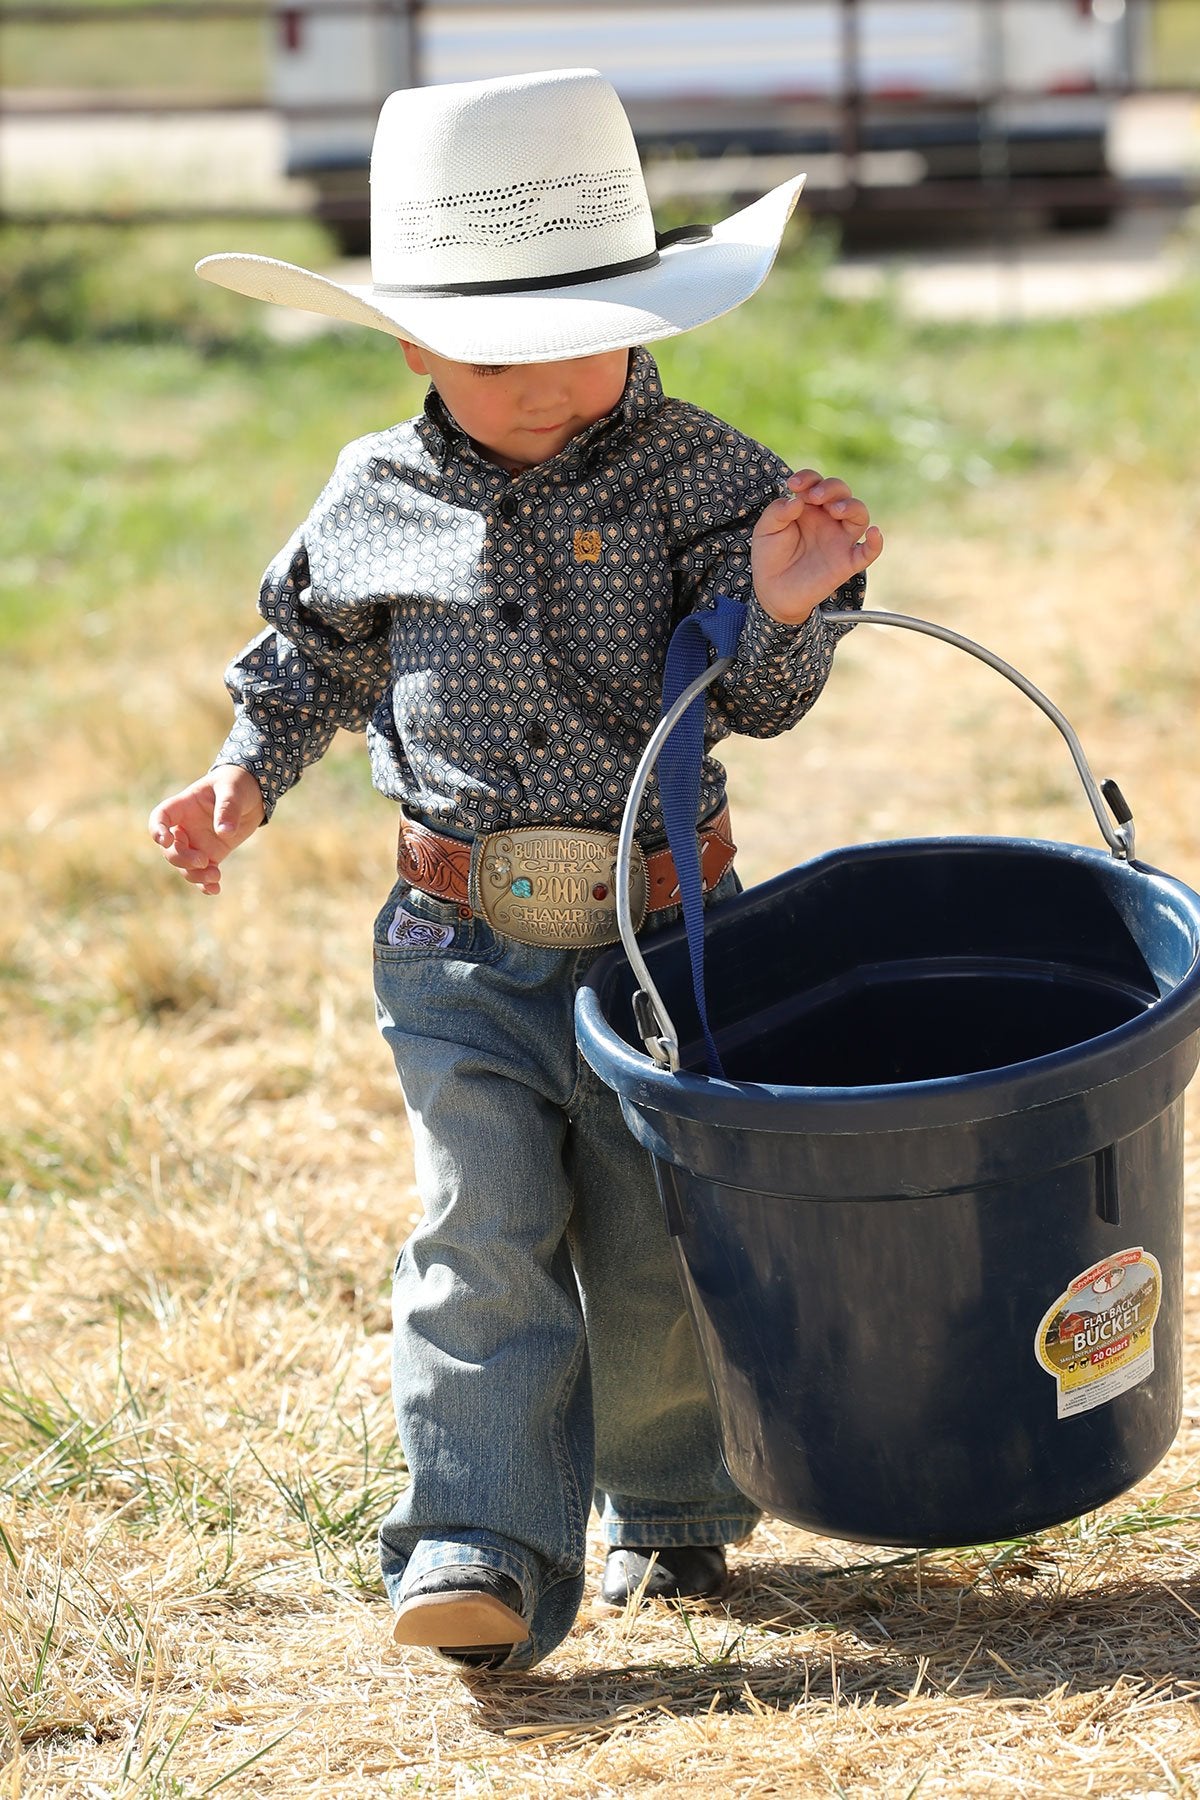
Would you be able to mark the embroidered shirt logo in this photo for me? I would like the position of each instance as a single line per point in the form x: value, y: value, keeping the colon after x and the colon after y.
x: 586, y: 545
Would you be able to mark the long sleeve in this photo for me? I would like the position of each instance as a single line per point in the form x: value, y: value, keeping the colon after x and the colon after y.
x: 780, y: 669
x: 303, y: 677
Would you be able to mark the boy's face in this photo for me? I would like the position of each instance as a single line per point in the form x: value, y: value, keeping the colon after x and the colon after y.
x: 520, y: 414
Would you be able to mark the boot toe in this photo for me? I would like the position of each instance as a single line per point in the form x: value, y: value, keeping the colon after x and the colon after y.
x: 675, y: 1572
x: 470, y: 1615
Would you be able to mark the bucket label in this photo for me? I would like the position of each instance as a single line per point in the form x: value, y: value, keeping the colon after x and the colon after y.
x: 1097, y: 1340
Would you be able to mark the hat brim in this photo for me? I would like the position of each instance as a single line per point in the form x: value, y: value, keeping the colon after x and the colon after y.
x: 691, y: 284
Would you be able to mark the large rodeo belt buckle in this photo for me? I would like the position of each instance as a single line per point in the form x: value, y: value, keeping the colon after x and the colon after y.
x: 556, y: 888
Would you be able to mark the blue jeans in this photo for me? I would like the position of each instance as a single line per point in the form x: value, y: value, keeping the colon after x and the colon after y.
x: 543, y: 1357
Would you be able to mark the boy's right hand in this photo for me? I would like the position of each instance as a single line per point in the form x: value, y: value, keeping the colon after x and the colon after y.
x: 198, y: 827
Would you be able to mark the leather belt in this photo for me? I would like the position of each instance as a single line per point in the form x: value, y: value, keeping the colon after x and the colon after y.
x: 551, y: 885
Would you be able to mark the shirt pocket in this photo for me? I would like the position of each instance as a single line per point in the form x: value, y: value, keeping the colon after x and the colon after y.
x: 606, y: 622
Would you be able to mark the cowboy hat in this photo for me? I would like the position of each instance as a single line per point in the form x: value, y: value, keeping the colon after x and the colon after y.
x: 510, y: 223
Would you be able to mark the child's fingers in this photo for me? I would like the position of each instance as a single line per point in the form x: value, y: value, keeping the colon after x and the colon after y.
x: 779, y: 514
x: 837, y: 500
x: 182, y: 854
x: 829, y: 492
x: 807, y: 488
x: 170, y: 834
x: 849, y: 513
x: 868, y: 548
x: 197, y: 869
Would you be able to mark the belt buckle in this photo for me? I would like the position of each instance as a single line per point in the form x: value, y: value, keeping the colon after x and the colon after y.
x: 556, y: 888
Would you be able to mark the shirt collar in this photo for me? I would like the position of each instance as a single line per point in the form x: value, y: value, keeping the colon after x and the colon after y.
x: 443, y: 437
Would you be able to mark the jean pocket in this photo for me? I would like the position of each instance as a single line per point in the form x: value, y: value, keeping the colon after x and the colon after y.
x: 412, y: 926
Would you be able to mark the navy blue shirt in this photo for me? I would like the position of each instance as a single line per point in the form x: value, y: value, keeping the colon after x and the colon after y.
x: 501, y: 639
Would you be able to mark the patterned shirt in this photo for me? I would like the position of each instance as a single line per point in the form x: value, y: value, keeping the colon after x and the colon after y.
x: 500, y: 639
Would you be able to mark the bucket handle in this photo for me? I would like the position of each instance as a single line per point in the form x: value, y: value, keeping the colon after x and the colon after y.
x: 653, y: 1020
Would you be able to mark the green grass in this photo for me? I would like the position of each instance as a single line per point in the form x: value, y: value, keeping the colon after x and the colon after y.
x: 915, y: 411
x: 161, y: 445
x: 159, y: 441
x: 183, y: 58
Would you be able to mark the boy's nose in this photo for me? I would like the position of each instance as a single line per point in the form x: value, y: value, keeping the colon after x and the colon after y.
x: 546, y: 390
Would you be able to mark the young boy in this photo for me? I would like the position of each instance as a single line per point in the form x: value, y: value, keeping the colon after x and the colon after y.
x: 488, y: 590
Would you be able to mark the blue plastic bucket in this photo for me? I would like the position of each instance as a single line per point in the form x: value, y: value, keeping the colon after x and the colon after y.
x: 929, y: 1224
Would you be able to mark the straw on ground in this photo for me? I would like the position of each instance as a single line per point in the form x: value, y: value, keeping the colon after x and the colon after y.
x: 208, y: 1176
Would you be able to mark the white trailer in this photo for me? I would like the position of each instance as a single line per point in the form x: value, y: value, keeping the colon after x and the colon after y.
x: 869, y: 90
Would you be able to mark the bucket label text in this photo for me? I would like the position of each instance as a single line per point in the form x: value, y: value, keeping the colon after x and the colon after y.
x: 1097, y: 1340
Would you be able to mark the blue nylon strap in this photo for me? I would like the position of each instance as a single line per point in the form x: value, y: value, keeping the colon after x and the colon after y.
x: 717, y: 628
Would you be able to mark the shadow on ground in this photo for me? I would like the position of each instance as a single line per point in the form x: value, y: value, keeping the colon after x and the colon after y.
x: 1018, y: 1637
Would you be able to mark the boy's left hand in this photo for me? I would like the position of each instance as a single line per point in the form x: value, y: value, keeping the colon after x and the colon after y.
x: 808, y: 543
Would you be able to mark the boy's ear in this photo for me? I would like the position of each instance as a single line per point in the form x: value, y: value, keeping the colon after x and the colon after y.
x: 413, y: 357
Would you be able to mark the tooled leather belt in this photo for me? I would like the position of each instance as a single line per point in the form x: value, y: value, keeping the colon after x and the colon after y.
x: 551, y: 885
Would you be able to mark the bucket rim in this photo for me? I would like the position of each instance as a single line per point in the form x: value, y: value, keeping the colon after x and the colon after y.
x: 944, y: 1100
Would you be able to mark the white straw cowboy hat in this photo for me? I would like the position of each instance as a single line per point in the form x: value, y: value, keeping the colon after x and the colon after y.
x: 510, y: 223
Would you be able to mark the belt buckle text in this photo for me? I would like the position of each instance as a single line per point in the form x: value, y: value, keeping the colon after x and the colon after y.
x: 554, y: 887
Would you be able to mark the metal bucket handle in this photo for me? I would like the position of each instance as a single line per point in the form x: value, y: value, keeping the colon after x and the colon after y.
x: 653, y: 1020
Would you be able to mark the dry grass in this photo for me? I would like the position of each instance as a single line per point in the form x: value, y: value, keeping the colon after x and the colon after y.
x: 210, y: 1178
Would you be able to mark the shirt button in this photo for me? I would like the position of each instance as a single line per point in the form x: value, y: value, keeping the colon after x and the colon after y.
x: 536, y: 737
x: 511, y: 612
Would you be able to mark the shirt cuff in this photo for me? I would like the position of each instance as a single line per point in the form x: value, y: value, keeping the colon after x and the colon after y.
x: 246, y: 750
x: 765, y: 637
